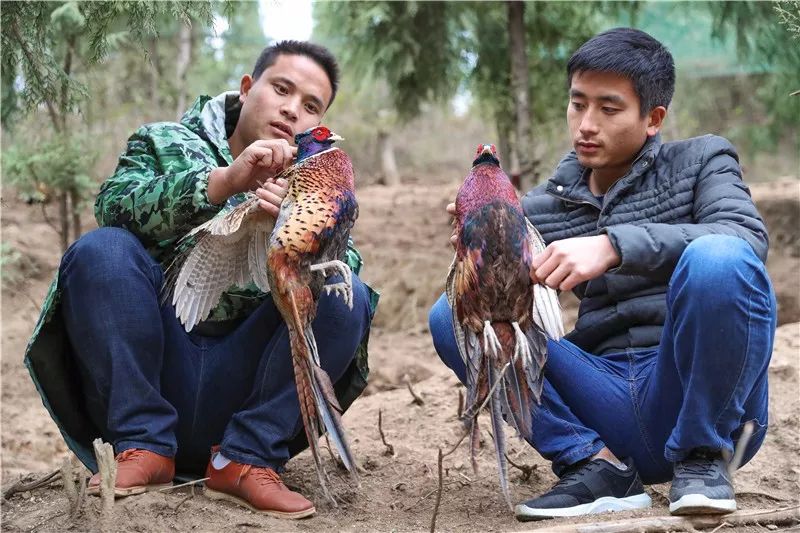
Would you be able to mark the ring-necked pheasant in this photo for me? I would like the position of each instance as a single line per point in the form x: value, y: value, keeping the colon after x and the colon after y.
x: 289, y: 257
x: 501, y: 318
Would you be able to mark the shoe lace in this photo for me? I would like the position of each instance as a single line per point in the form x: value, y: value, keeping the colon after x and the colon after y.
x: 571, y: 476
x: 266, y: 476
x: 129, y: 455
x: 695, y: 468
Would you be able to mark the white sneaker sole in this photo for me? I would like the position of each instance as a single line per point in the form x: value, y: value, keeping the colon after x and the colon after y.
x: 701, y: 504
x: 600, y: 505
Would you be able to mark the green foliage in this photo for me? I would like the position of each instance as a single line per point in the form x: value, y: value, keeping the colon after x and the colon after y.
x: 759, y: 37
x: 224, y: 58
x: 37, y: 36
x: 789, y: 15
x: 57, y: 164
x: 416, y: 47
x: 10, y: 259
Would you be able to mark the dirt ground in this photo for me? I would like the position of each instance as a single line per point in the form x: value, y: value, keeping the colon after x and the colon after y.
x: 402, y: 233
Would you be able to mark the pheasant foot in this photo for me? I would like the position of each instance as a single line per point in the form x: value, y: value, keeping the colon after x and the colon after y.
x: 343, y: 288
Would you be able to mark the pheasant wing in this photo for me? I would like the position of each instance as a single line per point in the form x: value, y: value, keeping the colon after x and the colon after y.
x: 229, y: 249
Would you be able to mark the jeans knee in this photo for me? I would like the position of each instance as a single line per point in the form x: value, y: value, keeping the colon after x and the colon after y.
x: 106, y: 250
x: 362, y: 302
x: 711, y: 263
x: 440, y: 324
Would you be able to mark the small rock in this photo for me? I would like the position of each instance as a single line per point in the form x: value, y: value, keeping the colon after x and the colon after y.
x: 772, y: 527
x: 25, y: 495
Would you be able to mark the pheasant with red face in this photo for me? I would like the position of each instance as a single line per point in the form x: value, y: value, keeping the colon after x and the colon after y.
x: 501, y: 318
x: 290, y: 257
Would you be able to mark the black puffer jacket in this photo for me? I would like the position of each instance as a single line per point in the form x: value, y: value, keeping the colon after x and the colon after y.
x: 674, y: 193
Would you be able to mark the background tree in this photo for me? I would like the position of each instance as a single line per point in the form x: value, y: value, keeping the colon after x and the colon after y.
x: 47, y: 48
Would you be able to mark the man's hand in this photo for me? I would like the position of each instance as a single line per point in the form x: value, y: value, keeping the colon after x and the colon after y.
x: 451, y: 210
x: 271, y: 195
x: 256, y: 164
x: 569, y: 262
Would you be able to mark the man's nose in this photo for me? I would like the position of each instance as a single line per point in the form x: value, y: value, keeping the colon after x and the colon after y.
x: 289, y: 110
x: 589, y: 124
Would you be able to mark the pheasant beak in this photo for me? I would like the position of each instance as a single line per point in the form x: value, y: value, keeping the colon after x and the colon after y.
x: 487, y: 150
x: 335, y: 137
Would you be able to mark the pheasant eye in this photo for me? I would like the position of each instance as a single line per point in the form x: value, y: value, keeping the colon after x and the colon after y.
x: 479, y: 150
x: 321, y: 133
x: 494, y: 150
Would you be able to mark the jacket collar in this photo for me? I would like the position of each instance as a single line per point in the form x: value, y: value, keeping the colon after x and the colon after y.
x: 569, y: 181
x: 213, y: 119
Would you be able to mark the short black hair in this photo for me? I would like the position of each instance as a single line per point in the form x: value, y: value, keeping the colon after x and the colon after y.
x: 633, y: 54
x: 319, y: 54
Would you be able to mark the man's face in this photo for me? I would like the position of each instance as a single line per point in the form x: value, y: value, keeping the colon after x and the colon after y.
x: 289, y: 97
x: 604, y: 120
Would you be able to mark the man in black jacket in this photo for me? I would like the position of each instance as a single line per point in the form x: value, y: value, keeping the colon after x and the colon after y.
x: 665, y: 249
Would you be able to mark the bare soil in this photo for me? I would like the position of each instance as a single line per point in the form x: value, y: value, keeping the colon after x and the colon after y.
x: 402, y: 233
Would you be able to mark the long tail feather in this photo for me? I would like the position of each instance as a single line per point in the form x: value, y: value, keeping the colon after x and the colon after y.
x: 306, y: 392
x: 318, y: 400
x: 499, y: 437
x: 308, y: 412
x: 330, y: 412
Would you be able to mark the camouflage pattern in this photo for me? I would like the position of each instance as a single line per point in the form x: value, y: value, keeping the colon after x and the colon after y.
x: 158, y: 192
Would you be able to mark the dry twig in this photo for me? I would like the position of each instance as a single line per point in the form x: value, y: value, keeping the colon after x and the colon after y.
x: 778, y: 517
x: 195, y: 482
x: 460, y: 411
x: 526, y: 470
x: 439, y: 490
x: 75, y: 491
x: 724, y: 524
x: 43, y: 481
x: 417, y: 398
x: 389, y: 448
x: 104, y: 454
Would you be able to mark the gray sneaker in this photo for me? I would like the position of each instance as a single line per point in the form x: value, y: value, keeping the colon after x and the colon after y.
x: 701, y: 485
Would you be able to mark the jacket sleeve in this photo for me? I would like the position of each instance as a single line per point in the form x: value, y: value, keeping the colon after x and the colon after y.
x: 722, y: 205
x: 159, y: 189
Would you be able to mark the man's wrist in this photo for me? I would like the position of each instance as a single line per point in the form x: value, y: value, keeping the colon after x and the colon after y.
x: 218, y: 187
x: 614, y: 259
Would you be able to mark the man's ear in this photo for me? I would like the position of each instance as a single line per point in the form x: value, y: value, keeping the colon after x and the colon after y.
x: 245, y: 86
x: 655, y: 120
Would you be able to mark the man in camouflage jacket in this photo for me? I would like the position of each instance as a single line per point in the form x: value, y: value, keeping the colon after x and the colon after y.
x: 110, y: 360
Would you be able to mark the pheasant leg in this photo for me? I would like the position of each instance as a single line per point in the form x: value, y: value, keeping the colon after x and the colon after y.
x: 343, y: 288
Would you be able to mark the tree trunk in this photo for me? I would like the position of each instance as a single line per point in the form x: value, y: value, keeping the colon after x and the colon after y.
x: 389, y: 174
x: 182, y: 63
x: 507, y: 162
x: 519, y: 91
x: 75, y: 203
x: 155, y: 76
x: 63, y: 218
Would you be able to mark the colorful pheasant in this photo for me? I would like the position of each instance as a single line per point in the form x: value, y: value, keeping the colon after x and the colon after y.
x: 291, y: 258
x: 501, y: 318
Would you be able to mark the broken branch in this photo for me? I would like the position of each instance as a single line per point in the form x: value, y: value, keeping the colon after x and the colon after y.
x: 417, y: 398
x: 439, y: 491
x: 19, y: 486
x: 389, y: 448
x: 526, y: 470
x: 779, y: 517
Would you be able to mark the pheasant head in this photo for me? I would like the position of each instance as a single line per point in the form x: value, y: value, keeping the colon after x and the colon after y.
x: 314, y: 140
x: 486, y: 153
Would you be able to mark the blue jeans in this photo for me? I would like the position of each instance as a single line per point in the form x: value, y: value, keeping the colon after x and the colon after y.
x: 707, y: 377
x: 148, y: 384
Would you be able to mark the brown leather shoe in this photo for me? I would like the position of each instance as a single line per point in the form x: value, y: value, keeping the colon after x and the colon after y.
x: 138, y: 471
x: 259, y: 489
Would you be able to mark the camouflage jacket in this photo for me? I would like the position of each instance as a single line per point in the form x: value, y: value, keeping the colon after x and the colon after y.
x: 158, y: 192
